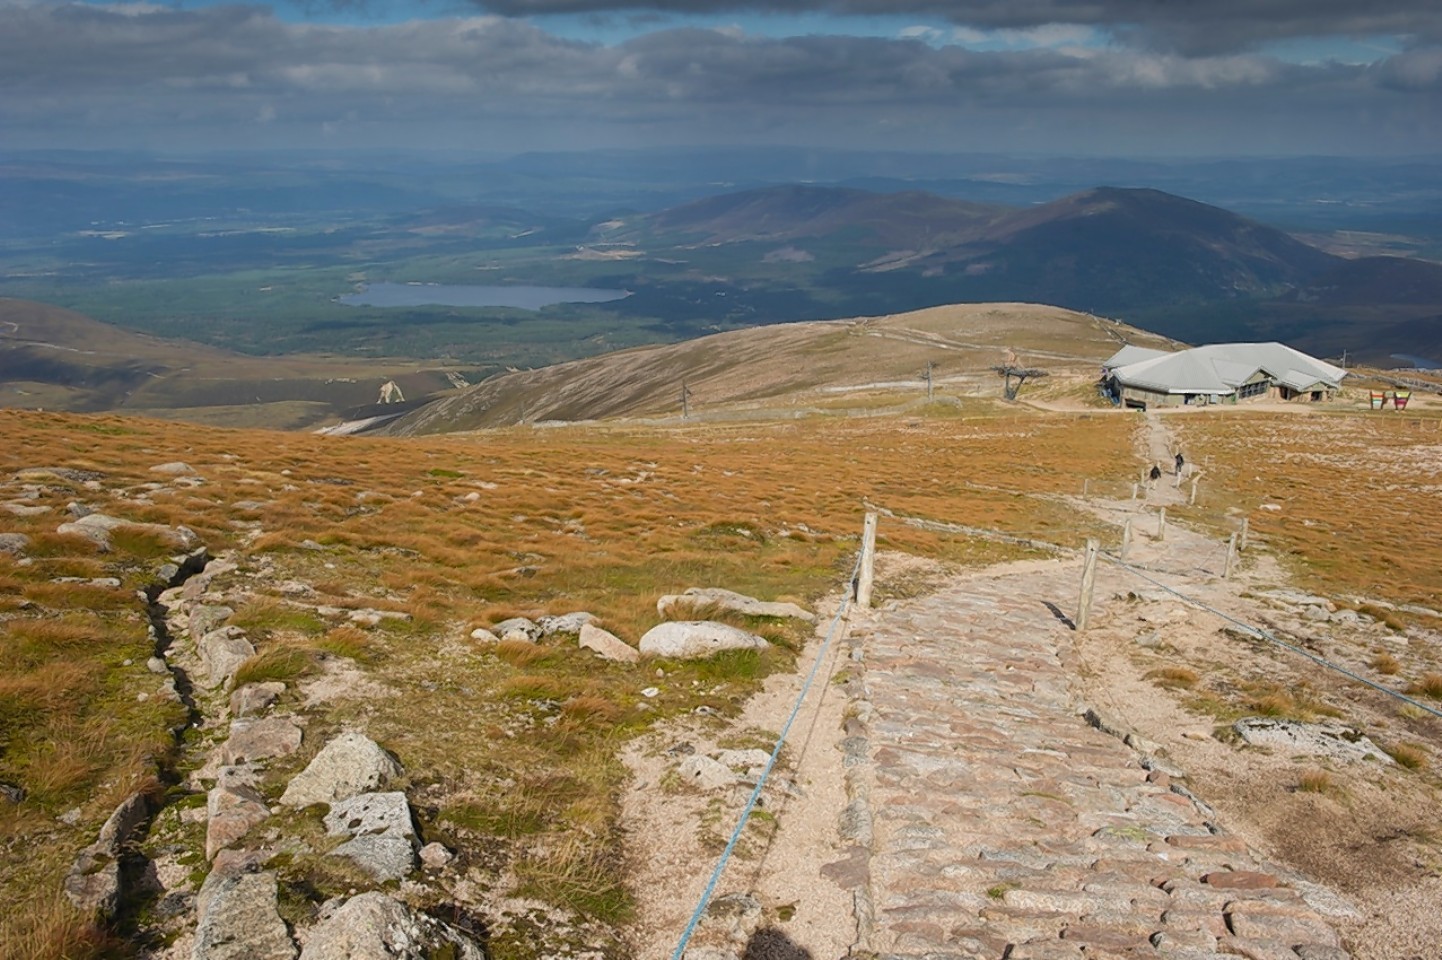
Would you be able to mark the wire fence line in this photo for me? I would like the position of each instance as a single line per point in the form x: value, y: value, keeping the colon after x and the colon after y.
x: 741, y: 821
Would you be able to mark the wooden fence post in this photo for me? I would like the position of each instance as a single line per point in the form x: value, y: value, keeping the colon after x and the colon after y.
x: 1089, y: 577
x: 1134, y: 490
x: 1193, y: 498
x: 1161, y: 523
x: 1231, y: 557
x: 865, y: 576
x: 1086, y: 486
x: 1242, y: 543
x: 1126, y: 538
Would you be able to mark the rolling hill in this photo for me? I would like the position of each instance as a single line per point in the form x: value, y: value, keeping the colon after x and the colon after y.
x: 790, y: 370
x: 57, y: 359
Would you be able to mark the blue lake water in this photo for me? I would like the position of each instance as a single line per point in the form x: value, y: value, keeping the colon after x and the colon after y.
x: 453, y: 295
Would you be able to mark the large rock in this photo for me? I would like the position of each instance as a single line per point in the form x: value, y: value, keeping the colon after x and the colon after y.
x: 232, y: 808
x: 239, y: 919
x: 693, y: 639
x: 569, y: 624
x: 175, y: 468
x: 222, y: 652
x: 349, y: 765
x: 517, y: 629
x: 372, y: 926
x: 701, y: 598
x: 205, y: 617
x: 262, y: 739
x: 384, y: 843
x: 1331, y: 739
x: 14, y: 544
x: 607, y: 645
x: 255, y: 698
x: 98, y: 527
x: 94, y: 881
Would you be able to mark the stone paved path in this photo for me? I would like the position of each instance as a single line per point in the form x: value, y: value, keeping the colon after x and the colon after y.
x: 1006, y: 827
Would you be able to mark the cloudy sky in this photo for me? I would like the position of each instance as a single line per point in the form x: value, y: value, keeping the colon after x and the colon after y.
x: 1102, y: 77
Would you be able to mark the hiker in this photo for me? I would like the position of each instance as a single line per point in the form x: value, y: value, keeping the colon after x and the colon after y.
x: 1156, y: 473
x: 1180, y: 463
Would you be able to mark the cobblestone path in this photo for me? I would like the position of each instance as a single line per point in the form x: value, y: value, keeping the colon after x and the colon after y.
x: 1005, y: 825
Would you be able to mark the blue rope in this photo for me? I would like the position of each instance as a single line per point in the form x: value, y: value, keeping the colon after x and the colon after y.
x: 770, y: 762
x: 1264, y: 635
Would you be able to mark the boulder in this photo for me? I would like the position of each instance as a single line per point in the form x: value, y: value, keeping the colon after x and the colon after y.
x: 222, y: 652
x: 715, y: 597
x: 239, y: 919
x: 14, y: 544
x: 517, y: 628
x: 384, y: 843
x: 175, y: 468
x: 372, y: 926
x: 254, y: 698
x: 232, y: 808
x: 693, y: 639
x: 569, y: 624
x: 706, y: 774
x: 97, y: 527
x: 94, y: 881
x: 349, y: 765
x: 205, y: 617
x: 607, y: 645
x: 260, y: 739
x: 21, y: 509
x: 435, y: 856
x: 1330, y: 739
x: 484, y: 635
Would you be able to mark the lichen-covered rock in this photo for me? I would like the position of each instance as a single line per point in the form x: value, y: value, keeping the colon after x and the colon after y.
x: 260, y: 739
x: 384, y: 843
x: 94, y: 881
x: 607, y: 645
x: 517, y: 629
x: 14, y: 544
x: 1329, y: 739
x: 349, y: 765
x: 372, y: 926
x: 97, y: 527
x: 232, y: 809
x: 698, y: 598
x: 568, y: 623
x: 239, y: 919
x: 222, y: 652
x: 693, y: 639
x: 254, y: 698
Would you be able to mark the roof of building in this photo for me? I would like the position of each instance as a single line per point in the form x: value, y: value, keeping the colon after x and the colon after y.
x: 1132, y: 354
x: 1220, y: 368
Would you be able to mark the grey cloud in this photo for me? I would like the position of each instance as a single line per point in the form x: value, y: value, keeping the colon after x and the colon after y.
x: 82, y: 74
x: 1194, y: 27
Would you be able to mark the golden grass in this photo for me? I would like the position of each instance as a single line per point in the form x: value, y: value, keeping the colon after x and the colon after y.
x: 1347, y: 489
x: 603, y: 519
x: 1411, y: 756
x: 1315, y: 781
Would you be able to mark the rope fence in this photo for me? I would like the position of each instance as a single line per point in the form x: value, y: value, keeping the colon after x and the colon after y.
x: 741, y: 822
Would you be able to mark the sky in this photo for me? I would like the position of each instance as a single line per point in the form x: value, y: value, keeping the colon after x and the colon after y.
x: 1057, y: 77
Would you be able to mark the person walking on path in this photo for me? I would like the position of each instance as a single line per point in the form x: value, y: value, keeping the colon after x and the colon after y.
x: 1156, y: 473
x: 1180, y: 463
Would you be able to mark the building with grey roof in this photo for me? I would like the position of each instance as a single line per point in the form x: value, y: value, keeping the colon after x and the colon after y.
x: 1141, y: 378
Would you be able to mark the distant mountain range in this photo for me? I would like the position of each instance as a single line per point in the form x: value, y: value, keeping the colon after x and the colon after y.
x: 1163, y: 261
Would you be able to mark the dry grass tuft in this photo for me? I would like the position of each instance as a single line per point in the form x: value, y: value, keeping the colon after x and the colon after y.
x: 521, y: 653
x: 1385, y: 663
x: 1411, y: 756
x: 1429, y: 685
x: 1315, y: 781
x: 1174, y: 677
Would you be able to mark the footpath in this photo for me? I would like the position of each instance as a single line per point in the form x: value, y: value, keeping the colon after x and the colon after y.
x: 1002, y: 819
x: 1007, y: 826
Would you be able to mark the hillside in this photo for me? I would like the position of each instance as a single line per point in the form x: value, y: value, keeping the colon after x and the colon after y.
x: 793, y: 367
x: 56, y: 359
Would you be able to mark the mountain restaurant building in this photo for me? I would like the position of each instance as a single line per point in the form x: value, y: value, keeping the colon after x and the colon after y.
x: 1141, y: 378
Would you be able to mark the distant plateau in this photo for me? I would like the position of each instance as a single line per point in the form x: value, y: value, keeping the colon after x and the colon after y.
x: 453, y: 295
